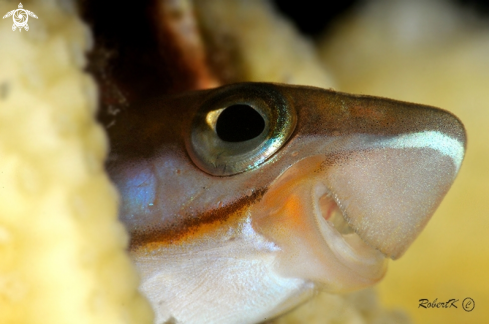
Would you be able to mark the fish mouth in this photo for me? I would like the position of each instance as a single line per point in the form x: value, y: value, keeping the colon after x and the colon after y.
x: 363, y: 261
x: 332, y: 221
x: 339, y: 218
x: 327, y: 209
x: 301, y: 214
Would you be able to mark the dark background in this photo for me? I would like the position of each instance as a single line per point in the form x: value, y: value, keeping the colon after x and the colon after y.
x: 311, y: 18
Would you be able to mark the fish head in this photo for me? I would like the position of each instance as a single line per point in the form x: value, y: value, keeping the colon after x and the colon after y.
x: 334, y: 183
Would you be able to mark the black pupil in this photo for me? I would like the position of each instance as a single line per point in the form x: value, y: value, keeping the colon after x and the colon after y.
x: 238, y: 123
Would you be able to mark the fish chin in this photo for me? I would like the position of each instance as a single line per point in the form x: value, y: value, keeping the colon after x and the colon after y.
x: 302, y: 216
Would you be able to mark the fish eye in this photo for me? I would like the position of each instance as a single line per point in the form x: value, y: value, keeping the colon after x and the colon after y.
x: 239, y: 123
x: 238, y: 127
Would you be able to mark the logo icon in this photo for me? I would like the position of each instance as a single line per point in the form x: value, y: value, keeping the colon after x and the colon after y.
x: 20, y: 17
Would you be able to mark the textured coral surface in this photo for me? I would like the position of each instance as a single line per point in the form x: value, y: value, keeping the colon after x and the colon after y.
x: 62, y: 257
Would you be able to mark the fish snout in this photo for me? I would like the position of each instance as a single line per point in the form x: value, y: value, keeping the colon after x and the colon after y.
x: 388, y: 163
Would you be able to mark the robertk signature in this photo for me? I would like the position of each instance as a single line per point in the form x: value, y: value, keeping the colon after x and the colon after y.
x: 468, y: 303
x: 425, y: 303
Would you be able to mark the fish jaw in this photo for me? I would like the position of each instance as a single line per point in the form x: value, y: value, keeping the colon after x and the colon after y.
x: 337, y: 219
x: 387, y: 163
x: 296, y: 213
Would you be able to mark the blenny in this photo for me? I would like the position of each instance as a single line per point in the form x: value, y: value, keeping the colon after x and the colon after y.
x: 242, y: 200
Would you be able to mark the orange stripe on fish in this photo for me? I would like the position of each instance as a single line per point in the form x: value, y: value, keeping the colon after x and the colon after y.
x: 193, y: 228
